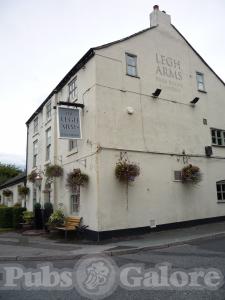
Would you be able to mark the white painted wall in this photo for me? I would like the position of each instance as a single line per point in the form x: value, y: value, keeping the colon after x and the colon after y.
x: 168, y: 125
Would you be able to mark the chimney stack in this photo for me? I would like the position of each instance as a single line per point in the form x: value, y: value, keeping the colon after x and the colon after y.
x: 159, y: 18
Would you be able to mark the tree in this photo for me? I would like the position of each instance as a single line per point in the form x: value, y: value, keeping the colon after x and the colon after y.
x: 8, y: 171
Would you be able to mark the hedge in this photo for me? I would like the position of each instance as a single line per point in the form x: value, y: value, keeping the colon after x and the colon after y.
x: 18, y: 216
x: 11, y: 217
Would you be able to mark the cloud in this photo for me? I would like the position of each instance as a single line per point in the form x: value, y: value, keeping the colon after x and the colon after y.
x: 18, y: 160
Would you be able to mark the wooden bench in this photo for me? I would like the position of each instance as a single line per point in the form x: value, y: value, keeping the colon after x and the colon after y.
x: 70, y: 224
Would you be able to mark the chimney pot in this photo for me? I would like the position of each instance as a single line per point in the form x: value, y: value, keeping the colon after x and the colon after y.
x: 156, y: 7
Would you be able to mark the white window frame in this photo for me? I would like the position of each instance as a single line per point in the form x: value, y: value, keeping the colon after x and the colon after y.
x: 35, y: 153
x: 48, y: 110
x: 72, y: 87
x: 177, y: 175
x: 216, y: 136
x: 200, y: 81
x: 35, y: 123
x: 72, y: 145
x: 220, y: 190
x: 48, y: 143
x: 75, y: 201
x: 132, y: 66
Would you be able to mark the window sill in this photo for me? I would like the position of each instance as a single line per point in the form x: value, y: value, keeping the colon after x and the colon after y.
x: 220, y: 201
x: 202, y: 91
x: 48, y: 121
x: 35, y: 134
x: 134, y: 76
x: 48, y: 162
x: 72, y: 152
x: 219, y: 146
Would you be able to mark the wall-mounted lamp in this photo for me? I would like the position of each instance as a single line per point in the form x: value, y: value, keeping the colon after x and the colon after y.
x: 195, y: 100
x: 156, y: 93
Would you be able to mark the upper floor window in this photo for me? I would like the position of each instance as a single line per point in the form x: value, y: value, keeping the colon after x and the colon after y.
x: 220, y: 188
x: 48, y: 110
x: 200, y: 81
x: 218, y: 137
x: 72, y: 144
x: 73, y: 89
x: 131, y: 61
x: 35, y: 153
x: 48, y: 144
x: 36, y: 125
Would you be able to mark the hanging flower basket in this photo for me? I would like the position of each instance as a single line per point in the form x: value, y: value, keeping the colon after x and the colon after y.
x: 54, y: 171
x: 32, y: 176
x: 191, y: 174
x: 77, y: 178
x: 126, y: 171
x: 7, y: 193
x: 23, y: 191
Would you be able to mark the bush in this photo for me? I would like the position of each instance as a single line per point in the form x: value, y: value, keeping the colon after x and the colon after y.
x: 191, y: 174
x: 7, y: 193
x: 17, y: 204
x: 77, y: 178
x: 28, y: 217
x: 53, y: 171
x: 23, y: 191
x: 126, y: 171
x: 48, y: 210
x: 18, y: 216
x: 57, y: 218
x: 38, y: 219
x: 6, y: 217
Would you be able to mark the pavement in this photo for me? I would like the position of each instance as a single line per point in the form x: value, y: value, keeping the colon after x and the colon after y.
x: 14, y: 246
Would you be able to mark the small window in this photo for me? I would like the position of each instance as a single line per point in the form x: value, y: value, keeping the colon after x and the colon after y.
x: 200, y: 81
x: 218, y: 137
x: 35, y: 153
x: 73, y: 90
x: 220, y: 188
x: 48, y: 111
x: 72, y: 145
x: 177, y: 176
x: 75, y: 201
x: 36, y: 125
x: 48, y: 144
x: 131, y: 61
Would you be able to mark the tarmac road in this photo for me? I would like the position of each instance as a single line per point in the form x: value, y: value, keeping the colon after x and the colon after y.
x: 208, y: 253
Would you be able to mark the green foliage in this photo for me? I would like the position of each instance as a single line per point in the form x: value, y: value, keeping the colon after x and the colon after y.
x: 32, y: 176
x: 37, y: 206
x: 28, y: 217
x: 53, y: 171
x: 7, y: 193
x: 48, y: 210
x: 17, y: 216
x: 126, y: 171
x: 6, y: 217
x: 23, y: 191
x: 77, y: 178
x: 191, y: 174
x: 8, y: 171
x: 57, y: 218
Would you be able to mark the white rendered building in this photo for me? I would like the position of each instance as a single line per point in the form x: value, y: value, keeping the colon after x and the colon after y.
x: 136, y: 94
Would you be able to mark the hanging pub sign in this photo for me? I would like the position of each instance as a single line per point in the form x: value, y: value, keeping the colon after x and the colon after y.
x: 69, y: 125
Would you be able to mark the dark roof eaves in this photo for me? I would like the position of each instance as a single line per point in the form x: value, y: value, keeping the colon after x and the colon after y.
x: 12, y: 181
x: 198, y: 55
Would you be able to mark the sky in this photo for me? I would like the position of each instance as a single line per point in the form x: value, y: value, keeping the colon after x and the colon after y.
x: 41, y: 40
